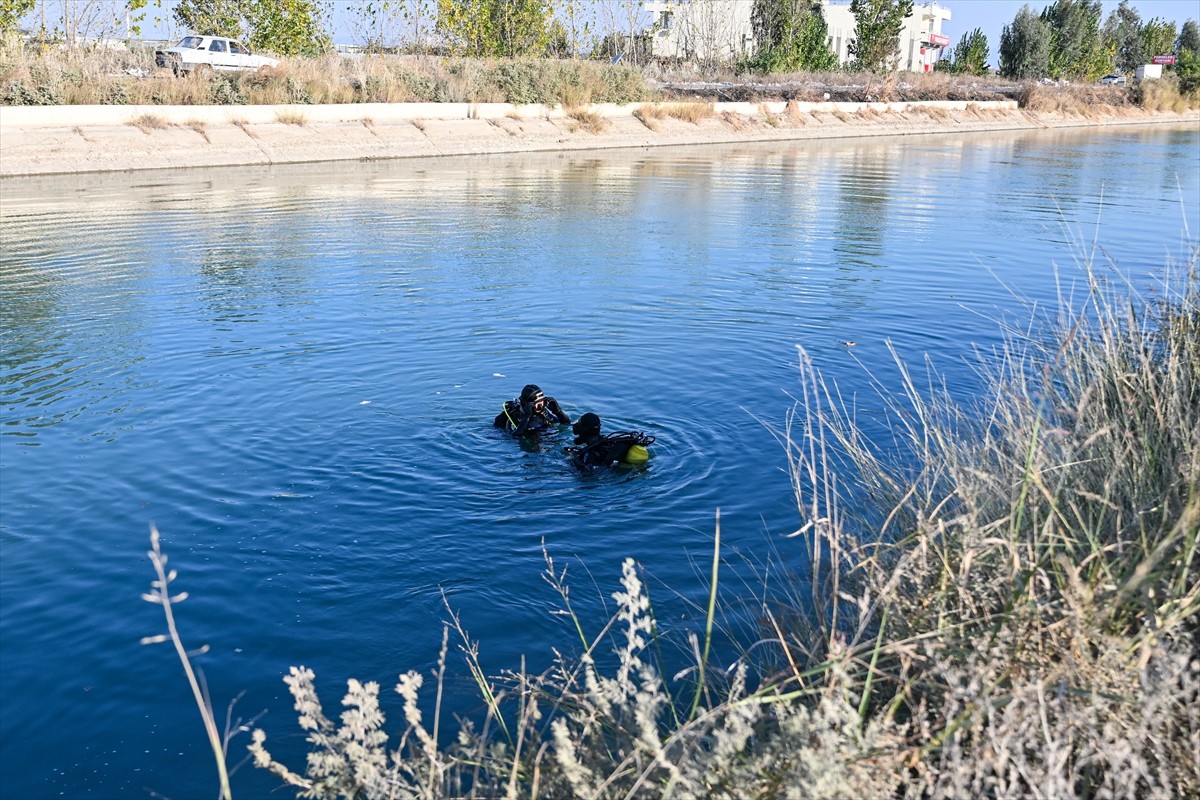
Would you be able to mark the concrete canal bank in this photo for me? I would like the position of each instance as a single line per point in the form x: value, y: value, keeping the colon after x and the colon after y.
x: 69, y: 139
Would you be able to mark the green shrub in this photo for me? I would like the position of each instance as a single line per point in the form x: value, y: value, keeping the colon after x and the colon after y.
x: 622, y: 85
x: 18, y: 94
x: 116, y: 94
x: 372, y: 89
x: 520, y: 83
x: 421, y: 87
x: 224, y: 90
x: 40, y: 94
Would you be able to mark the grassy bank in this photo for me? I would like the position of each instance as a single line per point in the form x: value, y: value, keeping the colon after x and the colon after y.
x: 52, y: 76
x: 1006, y: 607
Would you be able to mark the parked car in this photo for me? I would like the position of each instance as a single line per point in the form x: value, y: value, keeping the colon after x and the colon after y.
x: 1113, y: 80
x: 210, y: 52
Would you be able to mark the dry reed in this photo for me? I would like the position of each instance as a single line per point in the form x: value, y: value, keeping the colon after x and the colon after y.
x: 589, y: 121
x: 291, y: 117
x: 694, y: 113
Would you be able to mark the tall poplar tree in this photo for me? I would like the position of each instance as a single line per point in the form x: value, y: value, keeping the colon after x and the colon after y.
x: 1123, y: 35
x: 1025, y: 46
x: 1187, y: 53
x: 1158, y: 38
x: 1189, y: 39
x: 1076, y: 49
x: 971, y: 54
x: 791, y: 36
x: 876, y: 43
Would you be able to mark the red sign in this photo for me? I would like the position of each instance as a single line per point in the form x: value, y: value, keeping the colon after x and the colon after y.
x: 1163, y: 60
x: 939, y: 39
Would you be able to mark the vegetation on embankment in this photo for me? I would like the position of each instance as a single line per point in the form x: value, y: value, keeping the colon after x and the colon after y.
x: 1006, y: 606
x: 53, y: 76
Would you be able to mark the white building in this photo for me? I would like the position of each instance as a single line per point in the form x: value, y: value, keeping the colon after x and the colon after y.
x: 719, y: 31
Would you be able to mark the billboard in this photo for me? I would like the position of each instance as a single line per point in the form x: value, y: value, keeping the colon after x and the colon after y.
x: 1163, y: 60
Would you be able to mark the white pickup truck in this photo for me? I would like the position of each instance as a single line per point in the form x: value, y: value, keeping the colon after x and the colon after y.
x: 210, y: 52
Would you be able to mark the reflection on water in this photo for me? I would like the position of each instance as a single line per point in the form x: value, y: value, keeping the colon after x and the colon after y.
x: 293, y: 371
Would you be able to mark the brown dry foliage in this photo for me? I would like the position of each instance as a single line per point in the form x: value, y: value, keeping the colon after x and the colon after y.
x: 589, y: 121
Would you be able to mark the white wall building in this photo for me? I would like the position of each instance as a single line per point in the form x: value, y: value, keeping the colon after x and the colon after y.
x: 718, y: 31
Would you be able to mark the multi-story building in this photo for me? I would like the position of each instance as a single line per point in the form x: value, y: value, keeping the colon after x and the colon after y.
x: 719, y: 31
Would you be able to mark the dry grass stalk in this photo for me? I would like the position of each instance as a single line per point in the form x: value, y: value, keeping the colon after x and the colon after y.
x: 735, y: 121
x: 650, y: 115
x: 768, y: 116
x: 291, y: 117
x: 590, y: 121
x: 794, y: 114
x: 244, y: 124
x: 149, y: 122
x: 690, y: 112
x: 161, y: 595
x: 200, y: 127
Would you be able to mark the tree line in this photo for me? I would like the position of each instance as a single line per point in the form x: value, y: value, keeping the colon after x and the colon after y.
x: 1067, y: 40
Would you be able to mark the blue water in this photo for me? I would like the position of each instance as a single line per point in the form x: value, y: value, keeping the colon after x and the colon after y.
x: 292, y: 372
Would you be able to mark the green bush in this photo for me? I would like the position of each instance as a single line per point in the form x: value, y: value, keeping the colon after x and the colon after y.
x: 422, y: 87
x: 520, y: 82
x: 18, y: 93
x: 622, y: 85
x: 223, y: 90
x: 116, y: 95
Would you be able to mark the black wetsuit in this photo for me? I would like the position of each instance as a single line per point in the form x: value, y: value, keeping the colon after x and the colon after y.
x: 600, y: 451
x: 512, y: 419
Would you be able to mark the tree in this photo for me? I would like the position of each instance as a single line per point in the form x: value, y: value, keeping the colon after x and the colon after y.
x: 1189, y: 39
x: 1158, y: 38
x: 1076, y: 49
x: 1123, y: 35
x: 377, y: 23
x: 791, y: 36
x: 520, y: 27
x: 813, y: 42
x: 1025, y: 46
x: 496, y: 27
x: 287, y: 27
x: 211, y: 17
x: 1188, y: 70
x: 11, y: 12
x: 876, y: 42
x: 971, y: 54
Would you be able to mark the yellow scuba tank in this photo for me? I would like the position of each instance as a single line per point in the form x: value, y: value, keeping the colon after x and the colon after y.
x: 636, y: 454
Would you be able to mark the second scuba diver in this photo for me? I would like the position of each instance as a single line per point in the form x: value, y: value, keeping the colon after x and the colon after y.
x: 532, y: 412
x: 593, y: 449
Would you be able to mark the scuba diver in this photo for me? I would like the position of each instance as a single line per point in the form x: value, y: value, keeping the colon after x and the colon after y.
x: 593, y: 449
x: 532, y: 412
